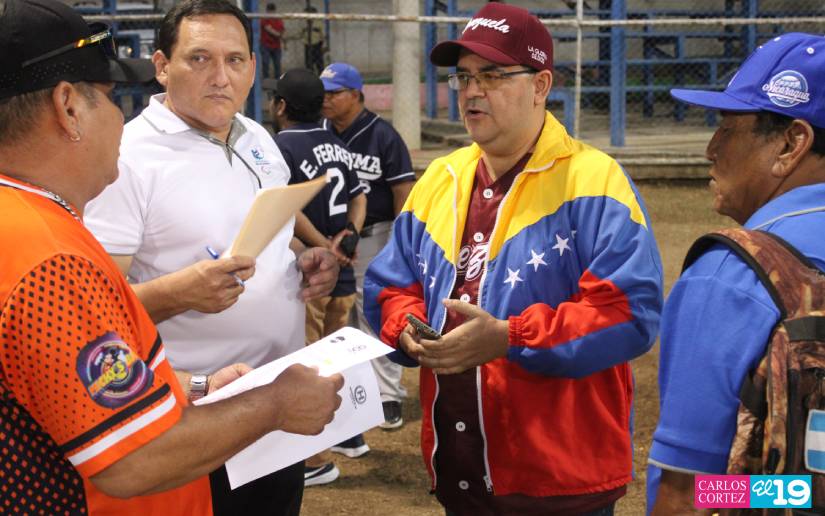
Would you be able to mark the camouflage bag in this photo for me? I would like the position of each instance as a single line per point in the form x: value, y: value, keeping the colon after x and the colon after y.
x: 781, y: 421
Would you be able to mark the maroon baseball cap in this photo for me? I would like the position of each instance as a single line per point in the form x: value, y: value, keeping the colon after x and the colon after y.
x: 501, y: 33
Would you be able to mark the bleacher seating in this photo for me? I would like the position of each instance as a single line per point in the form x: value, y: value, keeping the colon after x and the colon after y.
x: 669, y: 56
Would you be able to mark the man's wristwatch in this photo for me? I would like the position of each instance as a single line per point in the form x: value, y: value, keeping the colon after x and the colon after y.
x: 198, y: 385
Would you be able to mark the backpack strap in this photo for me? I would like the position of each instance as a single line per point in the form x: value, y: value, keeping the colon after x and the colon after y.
x: 774, y: 261
x: 777, y: 264
x: 811, y: 327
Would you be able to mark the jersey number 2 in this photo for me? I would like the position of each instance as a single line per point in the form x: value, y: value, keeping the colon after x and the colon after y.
x: 336, y: 176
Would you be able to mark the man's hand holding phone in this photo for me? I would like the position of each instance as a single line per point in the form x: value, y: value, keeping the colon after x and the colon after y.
x: 478, y: 340
x: 410, y: 338
x: 423, y: 329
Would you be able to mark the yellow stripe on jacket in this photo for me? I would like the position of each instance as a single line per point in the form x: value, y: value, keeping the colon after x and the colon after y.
x: 550, y: 179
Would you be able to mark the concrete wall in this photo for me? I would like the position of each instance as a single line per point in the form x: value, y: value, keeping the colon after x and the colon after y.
x: 366, y: 45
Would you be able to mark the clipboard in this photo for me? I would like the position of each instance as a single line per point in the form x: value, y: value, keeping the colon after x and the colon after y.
x: 270, y: 211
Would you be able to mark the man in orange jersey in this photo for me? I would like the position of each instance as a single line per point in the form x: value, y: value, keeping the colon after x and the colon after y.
x: 92, y: 416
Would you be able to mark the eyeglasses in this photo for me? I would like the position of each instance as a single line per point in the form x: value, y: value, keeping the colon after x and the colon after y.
x: 104, y: 39
x: 489, y: 80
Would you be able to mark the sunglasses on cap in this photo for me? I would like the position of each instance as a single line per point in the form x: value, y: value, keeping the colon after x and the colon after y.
x: 103, y: 38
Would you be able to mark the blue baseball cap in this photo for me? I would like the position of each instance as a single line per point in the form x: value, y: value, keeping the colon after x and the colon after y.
x: 339, y: 76
x: 785, y: 75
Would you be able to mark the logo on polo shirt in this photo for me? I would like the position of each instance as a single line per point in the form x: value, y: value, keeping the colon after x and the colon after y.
x: 498, y: 25
x: 260, y: 160
x: 112, y: 373
x: 787, y: 89
x: 537, y: 54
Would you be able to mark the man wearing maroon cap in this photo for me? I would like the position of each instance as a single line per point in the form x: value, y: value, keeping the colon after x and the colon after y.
x: 532, y: 255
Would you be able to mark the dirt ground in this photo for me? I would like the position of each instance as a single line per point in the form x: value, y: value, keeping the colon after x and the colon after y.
x: 391, y: 478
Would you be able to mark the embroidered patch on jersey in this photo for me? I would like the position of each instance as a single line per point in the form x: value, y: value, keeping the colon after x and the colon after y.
x: 472, y: 259
x: 112, y: 373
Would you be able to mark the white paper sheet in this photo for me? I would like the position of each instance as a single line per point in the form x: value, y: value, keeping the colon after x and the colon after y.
x: 347, y: 351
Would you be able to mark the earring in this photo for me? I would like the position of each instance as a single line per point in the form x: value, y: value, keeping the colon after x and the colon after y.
x: 75, y: 138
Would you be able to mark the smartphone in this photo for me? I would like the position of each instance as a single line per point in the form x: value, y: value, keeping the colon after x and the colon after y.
x: 348, y: 244
x: 423, y: 328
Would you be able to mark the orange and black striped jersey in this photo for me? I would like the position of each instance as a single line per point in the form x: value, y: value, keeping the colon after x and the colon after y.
x: 83, y: 376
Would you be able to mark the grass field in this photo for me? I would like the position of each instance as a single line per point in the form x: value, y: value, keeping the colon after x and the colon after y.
x: 391, y: 479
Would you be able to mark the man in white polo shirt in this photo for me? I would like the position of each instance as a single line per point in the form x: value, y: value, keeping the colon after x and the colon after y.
x: 190, y: 167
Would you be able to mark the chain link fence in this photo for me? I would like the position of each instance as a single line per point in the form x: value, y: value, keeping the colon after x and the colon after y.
x: 618, y: 71
x: 614, y: 61
x: 670, y: 44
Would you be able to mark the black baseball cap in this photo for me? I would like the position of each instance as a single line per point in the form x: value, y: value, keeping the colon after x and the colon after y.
x: 301, y: 89
x: 43, y: 42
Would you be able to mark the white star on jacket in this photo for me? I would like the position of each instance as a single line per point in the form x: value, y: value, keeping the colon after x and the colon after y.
x: 536, y: 261
x: 561, y: 244
x: 423, y: 266
x: 513, y: 277
x: 432, y: 281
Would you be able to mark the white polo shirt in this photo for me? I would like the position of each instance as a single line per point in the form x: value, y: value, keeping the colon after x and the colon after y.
x: 178, y: 193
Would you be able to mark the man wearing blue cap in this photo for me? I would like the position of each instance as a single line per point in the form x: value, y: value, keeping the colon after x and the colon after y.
x: 382, y: 162
x: 767, y: 173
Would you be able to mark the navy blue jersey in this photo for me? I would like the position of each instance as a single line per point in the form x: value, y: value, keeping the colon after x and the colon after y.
x: 380, y: 158
x: 310, y: 151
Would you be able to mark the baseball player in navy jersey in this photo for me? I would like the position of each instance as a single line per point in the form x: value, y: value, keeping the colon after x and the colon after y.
x: 332, y: 220
x: 382, y: 162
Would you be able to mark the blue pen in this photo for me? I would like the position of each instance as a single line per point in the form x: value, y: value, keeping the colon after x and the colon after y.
x: 214, y: 254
